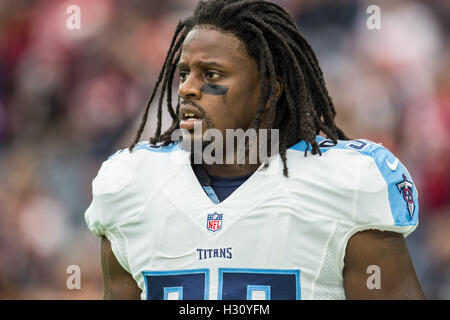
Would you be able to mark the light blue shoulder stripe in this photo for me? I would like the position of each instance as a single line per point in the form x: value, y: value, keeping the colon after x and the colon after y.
x: 403, y: 195
x: 144, y: 145
x: 327, y: 144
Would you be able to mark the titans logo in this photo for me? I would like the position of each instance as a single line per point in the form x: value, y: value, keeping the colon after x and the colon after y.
x: 405, y: 188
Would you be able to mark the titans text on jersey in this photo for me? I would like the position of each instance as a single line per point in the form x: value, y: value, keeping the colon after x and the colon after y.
x: 272, y: 238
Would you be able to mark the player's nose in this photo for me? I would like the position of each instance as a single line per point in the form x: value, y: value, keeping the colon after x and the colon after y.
x: 190, y: 88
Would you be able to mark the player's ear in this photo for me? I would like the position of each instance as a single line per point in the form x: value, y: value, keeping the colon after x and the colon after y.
x: 278, y: 91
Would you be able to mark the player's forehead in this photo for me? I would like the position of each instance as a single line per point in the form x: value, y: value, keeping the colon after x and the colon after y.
x: 206, y: 43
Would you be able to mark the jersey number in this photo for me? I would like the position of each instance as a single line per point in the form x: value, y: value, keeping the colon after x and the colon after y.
x: 357, y: 144
x: 233, y: 284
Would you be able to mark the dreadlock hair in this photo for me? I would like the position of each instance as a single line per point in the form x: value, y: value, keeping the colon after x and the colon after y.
x: 274, y: 41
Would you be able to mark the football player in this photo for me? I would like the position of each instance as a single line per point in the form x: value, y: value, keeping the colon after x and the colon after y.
x: 324, y: 218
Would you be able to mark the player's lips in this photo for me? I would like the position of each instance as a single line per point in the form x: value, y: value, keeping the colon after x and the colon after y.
x: 188, y: 116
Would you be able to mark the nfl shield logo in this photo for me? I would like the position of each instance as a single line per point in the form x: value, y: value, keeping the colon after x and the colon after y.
x: 214, y: 222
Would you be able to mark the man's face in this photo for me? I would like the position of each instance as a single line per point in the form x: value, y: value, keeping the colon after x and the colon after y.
x: 217, y: 75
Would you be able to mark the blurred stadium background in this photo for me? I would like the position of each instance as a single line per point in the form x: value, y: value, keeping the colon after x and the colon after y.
x: 70, y: 98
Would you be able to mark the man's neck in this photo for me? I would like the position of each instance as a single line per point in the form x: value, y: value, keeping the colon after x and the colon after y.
x: 236, y: 168
x: 230, y: 170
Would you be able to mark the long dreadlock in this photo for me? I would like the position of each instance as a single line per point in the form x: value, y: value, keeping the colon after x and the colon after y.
x: 273, y: 39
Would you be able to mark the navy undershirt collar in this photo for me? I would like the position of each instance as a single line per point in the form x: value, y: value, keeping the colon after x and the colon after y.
x: 218, y: 188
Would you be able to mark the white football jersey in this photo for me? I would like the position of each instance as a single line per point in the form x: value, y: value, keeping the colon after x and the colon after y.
x: 274, y: 237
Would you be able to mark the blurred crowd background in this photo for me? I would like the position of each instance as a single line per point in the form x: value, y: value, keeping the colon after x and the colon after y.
x: 70, y: 98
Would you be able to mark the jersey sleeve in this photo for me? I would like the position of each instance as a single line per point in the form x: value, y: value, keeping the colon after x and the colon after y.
x: 386, y: 197
x: 114, y: 201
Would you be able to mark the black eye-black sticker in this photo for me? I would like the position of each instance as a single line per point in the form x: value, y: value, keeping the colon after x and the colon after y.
x: 215, y: 89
